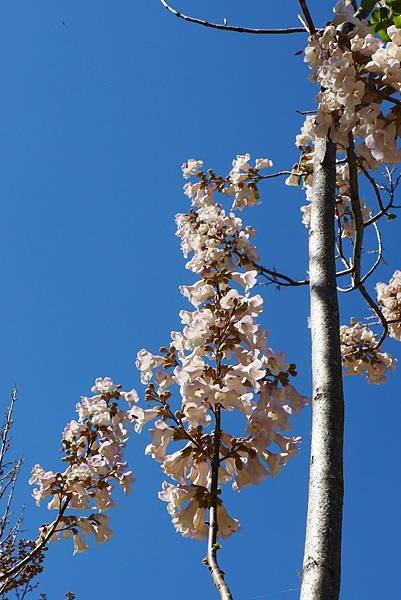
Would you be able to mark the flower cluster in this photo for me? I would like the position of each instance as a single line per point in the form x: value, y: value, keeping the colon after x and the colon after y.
x: 389, y: 297
x: 357, y: 74
x: 220, y: 362
x: 241, y: 182
x: 360, y: 353
x: 352, y: 68
x: 93, y: 447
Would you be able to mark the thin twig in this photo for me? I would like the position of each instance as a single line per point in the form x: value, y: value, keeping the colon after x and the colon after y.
x: 359, y: 229
x: 8, y: 422
x: 379, y: 252
x: 5, y: 516
x: 308, y: 18
x: 225, y: 27
x: 356, y: 209
x: 39, y: 545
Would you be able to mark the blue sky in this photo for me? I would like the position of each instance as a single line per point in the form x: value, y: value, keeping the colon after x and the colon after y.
x: 101, y: 103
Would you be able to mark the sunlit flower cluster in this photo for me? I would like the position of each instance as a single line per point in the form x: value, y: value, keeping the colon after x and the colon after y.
x: 357, y: 73
x: 389, y: 297
x: 360, y: 354
x: 352, y: 69
x: 93, y: 446
x: 220, y: 362
x: 241, y: 182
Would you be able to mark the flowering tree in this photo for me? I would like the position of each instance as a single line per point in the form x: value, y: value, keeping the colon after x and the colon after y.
x: 93, y: 450
x: 353, y: 134
x: 221, y: 364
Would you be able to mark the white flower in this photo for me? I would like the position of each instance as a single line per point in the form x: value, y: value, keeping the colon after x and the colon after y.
x: 197, y: 293
x: 162, y: 435
x: 79, y: 544
x: 191, y: 167
x: 263, y: 163
x: 227, y: 525
x: 142, y: 416
x: 146, y: 362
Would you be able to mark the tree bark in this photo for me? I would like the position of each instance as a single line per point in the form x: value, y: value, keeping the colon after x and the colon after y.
x: 322, y: 559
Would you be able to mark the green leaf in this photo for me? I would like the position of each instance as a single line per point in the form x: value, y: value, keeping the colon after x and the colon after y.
x: 377, y: 16
x: 380, y: 20
x: 382, y: 33
x: 395, y: 5
x: 391, y: 217
x: 397, y: 21
x: 368, y: 4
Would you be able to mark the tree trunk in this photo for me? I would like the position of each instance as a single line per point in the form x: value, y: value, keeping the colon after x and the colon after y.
x: 322, y: 558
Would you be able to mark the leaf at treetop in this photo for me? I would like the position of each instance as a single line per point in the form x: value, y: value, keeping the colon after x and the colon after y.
x: 382, y: 33
x: 368, y: 4
x: 379, y: 21
x: 378, y: 16
x: 395, y: 5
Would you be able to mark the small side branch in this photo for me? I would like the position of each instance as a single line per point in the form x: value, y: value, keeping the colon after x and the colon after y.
x: 41, y: 544
x: 308, y: 17
x: 225, y: 27
x: 359, y: 228
x: 356, y: 209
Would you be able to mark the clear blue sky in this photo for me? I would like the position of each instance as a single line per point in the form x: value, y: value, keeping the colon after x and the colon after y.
x: 100, y: 104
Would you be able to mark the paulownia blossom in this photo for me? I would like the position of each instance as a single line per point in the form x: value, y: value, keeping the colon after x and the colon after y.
x: 360, y: 353
x: 93, y: 447
x: 389, y: 297
x: 220, y: 363
x: 352, y: 68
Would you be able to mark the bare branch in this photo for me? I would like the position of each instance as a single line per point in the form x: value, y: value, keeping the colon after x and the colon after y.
x: 379, y: 257
x: 5, y: 430
x: 356, y: 209
x: 307, y: 15
x: 359, y: 228
x: 4, y: 520
x: 40, y: 545
x: 225, y: 27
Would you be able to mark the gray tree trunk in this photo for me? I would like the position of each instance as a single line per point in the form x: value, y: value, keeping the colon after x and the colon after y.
x: 322, y: 558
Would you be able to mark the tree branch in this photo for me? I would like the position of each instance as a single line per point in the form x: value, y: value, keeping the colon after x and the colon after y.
x: 39, y: 546
x: 379, y: 252
x: 307, y: 15
x: 225, y: 27
x: 359, y: 228
x: 212, y: 547
x: 356, y: 209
